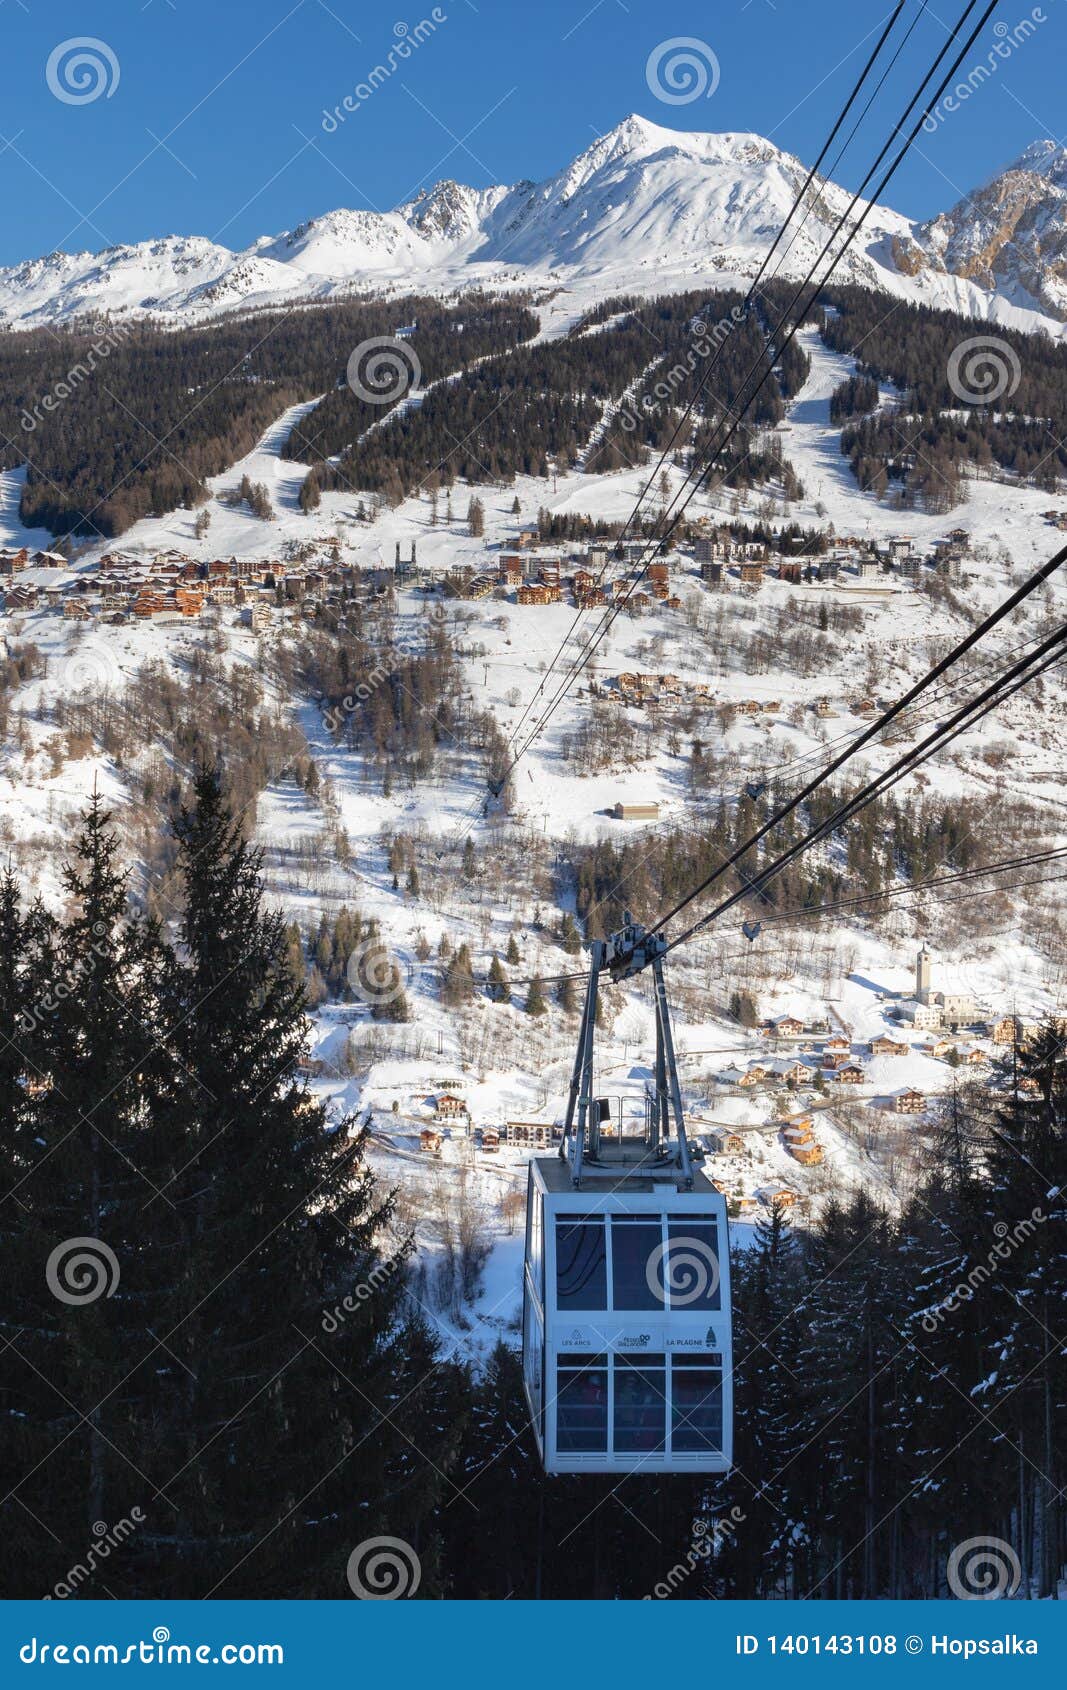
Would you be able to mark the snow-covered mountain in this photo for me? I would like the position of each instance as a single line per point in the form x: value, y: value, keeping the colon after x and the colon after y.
x: 643, y: 208
x: 1011, y: 234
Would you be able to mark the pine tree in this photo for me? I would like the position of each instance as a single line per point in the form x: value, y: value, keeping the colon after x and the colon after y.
x: 536, y: 1002
x: 271, y: 1398
x: 566, y: 996
x: 458, y: 986
x: 87, y: 1274
x: 570, y: 938
x: 499, y: 990
x: 512, y: 950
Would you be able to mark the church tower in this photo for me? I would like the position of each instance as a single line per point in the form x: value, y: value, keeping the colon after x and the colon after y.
x: 923, y: 975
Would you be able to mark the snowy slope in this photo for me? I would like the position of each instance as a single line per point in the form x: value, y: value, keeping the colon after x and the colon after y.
x: 644, y: 209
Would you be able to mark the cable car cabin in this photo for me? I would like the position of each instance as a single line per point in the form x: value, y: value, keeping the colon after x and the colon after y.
x: 626, y: 1321
x: 626, y: 1289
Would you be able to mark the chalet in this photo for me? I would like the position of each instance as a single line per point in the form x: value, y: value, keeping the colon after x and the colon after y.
x: 1006, y: 1031
x: 640, y: 602
x: 752, y: 574
x: 636, y: 812
x: 584, y: 582
x: 732, y: 1076
x: 791, y: 570
x: 448, y: 1107
x: 430, y: 1140
x: 754, y: 1076
x: 850, y: 1075
x: 883, y: 1045
x: 798, y: 1138
x: 659, y: 574
x: 491, y: 1139
x: 223, y: 592
x: 538, y: 594
x: 149, y: 603
x: 909, y: 1102
x: 837, y: 1045
x: 791, y: 1073
x: 20, y: 598
x: 787, y: 1026
x: 76, y: 610
x: 724, y: 1142
x: 188, y: 601
x: 783, y: 1195
x: 550, y: 571
x: 973, y: 1058
x: 824, y: 708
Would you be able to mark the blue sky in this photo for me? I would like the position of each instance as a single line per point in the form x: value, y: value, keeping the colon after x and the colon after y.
x: 215, y: 123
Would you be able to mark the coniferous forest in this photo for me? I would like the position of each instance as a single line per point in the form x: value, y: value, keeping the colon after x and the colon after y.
x: 258, y: 1391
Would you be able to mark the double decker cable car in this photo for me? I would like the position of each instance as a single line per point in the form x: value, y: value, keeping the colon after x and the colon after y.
x: 626, y: 1292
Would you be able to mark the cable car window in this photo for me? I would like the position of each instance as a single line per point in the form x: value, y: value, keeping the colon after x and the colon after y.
x: 636, y: 1256
x: 696, y: 1403
x: 581, y: 1262
x: 582, y: 1403
x: 692, y: 1277
x: 640, y: 1404
x: 535, y: 1240
x: 533, y: 1354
